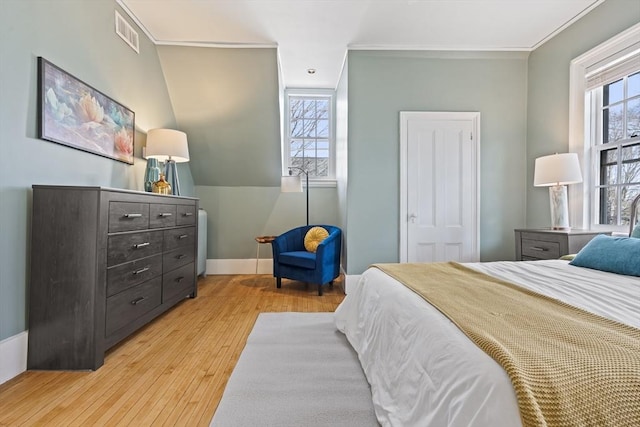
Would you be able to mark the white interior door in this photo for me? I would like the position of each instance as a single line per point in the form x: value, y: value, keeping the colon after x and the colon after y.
x: 439, y: 186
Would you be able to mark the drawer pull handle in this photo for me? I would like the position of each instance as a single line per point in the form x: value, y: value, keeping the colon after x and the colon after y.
x: 142, y: 270
x: 183, y: 236
x: 181, y: 256
x: 538, y: 248
x: 141, y: 245
x: 165, y: 214
x: 179, y: 279
x: 135, y: 215
x: 138, y: 300
x: 188, y: 214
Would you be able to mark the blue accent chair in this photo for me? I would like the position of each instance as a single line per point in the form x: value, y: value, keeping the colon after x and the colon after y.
x: 292, y: 261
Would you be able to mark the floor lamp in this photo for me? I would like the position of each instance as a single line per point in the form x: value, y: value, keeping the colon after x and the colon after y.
x: 293, y: 184
x: 556, y: 171
x: 168, y: 146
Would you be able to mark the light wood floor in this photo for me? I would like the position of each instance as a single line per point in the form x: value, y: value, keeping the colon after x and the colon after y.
x: 170, y: 373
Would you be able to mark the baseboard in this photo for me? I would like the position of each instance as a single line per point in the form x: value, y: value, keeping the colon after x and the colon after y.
x: 13, y: 356
x: 248, y: 266
x: 239, y: 266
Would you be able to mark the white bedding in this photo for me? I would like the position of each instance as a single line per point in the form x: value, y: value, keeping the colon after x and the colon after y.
x: 424, y: 372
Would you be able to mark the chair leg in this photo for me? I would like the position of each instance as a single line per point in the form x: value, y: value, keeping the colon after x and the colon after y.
x: 319, y: 290
x: 278, y: 282
x: 331, y: 284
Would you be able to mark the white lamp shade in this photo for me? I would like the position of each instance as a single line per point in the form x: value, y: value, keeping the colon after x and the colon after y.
x: 557, y: 169
x: 291, y: 184
x: 165, y: 143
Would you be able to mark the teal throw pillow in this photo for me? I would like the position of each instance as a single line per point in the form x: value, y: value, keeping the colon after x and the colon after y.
x: 619, y: 255
x: 636, y: 232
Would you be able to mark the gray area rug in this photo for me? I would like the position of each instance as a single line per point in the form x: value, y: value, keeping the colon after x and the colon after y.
x: 298, y: 370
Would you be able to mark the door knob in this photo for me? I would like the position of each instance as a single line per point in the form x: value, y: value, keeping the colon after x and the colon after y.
x: 412, y: 217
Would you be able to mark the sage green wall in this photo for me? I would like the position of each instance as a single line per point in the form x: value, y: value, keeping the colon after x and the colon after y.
x: 236, y: 215
x: 79, y: 37
x: 342, y: 156
x: 548, y: 83
x: 381, y: 84
x: 228, y: 103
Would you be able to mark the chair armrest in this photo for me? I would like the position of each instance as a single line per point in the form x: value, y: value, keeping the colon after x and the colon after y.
x: 328, y: 245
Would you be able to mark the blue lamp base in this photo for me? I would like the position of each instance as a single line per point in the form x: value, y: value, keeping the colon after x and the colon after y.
x: 171, y: 175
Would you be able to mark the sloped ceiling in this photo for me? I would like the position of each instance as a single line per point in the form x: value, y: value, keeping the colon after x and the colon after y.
x: 226, y: 100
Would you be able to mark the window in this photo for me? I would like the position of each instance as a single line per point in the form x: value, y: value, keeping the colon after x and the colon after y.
x: 309, y: 139
x: 599, y: 202
x: 615, y: 140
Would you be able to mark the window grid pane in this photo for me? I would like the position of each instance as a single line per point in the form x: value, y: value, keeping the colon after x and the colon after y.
x: 627, y: 194
x: 614, y: 123
x: 633, y: 117
x: 630, y: 168
x: 619, y: 163
x: 608, y: 205
x: 613, y: 92
x: 310, y: 125
x: 633, y: 85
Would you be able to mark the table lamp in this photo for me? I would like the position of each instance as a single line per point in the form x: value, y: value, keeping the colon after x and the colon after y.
x: 556, y: 171
x: 168, y: 146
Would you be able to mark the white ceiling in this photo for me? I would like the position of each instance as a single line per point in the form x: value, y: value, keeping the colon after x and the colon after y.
x: 317, y: 33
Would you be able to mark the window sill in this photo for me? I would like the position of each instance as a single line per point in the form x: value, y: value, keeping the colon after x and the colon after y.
x: 321, y: 183
x: 619, y: 231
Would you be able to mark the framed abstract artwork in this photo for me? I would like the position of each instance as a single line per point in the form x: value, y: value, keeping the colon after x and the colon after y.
x: 74, y: 114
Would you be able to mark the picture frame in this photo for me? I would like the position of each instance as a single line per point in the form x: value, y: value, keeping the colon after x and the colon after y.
x: 77, y: 115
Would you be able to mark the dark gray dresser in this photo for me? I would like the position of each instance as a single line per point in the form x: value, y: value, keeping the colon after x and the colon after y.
x: 104, y: 262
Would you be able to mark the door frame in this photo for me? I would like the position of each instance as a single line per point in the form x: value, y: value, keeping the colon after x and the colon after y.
x: 405, y: 116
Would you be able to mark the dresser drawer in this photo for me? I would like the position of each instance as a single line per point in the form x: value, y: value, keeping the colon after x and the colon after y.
x: 126, y: 216
x: 177, y: 258
x: 128, y: 247
x: 540, y: 249
x: 179, y: 237
x: 178, y: 283
x: 186, y: 215
x: 132, y: 273
x: 128, y: 305
x: 162, y: 216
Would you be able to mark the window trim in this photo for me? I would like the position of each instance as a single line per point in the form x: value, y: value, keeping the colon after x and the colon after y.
x: 581, y: 195
x: 597, y: 146
x: 330, y: 180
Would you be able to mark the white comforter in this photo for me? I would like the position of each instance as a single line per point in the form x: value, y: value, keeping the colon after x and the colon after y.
x: 424, y: 372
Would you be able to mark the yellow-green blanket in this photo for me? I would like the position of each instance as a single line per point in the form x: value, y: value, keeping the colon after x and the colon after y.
x: 568, y: 367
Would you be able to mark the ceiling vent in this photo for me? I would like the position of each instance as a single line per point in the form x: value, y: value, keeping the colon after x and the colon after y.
x: 127, y: 33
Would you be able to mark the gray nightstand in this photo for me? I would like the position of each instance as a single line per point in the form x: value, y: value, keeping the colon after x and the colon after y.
x: 535, y: 244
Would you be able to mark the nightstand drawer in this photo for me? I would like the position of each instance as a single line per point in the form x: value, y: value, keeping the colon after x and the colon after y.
x: 540, y: 249
x: 535, y: 244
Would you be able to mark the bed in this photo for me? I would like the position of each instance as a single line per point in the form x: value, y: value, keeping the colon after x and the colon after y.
x: 424, y: 371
